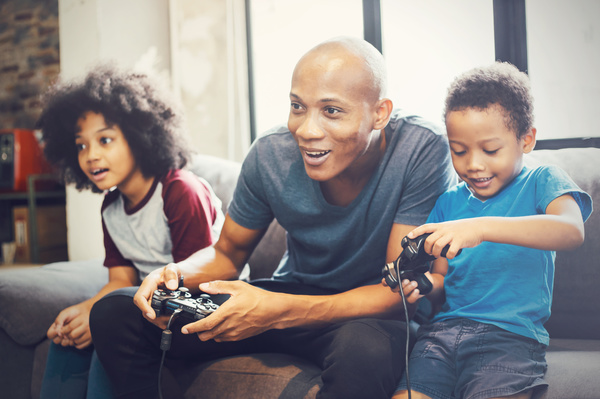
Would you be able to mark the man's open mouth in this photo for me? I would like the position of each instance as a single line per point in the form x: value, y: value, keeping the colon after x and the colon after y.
x: 316, y: 154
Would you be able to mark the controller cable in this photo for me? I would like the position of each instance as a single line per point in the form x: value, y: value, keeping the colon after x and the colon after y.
x: 165, y: 345
x: 406, y: 350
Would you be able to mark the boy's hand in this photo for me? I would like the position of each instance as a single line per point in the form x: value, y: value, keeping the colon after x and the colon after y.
x: 458, y: 234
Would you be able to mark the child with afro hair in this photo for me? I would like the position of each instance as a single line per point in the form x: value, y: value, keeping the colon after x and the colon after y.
x: 115, y: 132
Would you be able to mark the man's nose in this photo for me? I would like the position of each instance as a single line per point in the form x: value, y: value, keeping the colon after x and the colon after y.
x: 309, y: 128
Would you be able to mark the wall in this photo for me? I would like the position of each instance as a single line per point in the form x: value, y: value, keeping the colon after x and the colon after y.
x: 210, y: 74
x: 29, y: 58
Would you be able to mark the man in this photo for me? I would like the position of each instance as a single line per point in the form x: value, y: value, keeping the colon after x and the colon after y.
x: 347, y: 179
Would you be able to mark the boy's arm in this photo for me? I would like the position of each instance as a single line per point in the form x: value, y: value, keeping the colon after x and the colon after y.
x: 560, y: 228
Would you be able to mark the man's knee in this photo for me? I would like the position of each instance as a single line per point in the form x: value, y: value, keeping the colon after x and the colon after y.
x: 110, y: 310
x: 371, y: 343
x: 365, y: 359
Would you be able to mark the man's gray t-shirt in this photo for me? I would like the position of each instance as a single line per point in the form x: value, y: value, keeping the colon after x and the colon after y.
x: 337, y: 247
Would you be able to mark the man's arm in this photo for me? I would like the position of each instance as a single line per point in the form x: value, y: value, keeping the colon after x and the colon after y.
x: 222, y: 261
x: 251, y: 310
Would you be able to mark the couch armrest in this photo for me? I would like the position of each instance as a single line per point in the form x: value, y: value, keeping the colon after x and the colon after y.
x: 31, y: 298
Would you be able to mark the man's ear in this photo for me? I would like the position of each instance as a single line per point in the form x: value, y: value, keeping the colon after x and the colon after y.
x: 529, y: 140
x: 384, y: 111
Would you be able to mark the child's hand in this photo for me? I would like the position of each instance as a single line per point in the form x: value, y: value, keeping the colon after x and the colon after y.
x: 55, y: 332
x: 71, y: 327
x: 464, y: 233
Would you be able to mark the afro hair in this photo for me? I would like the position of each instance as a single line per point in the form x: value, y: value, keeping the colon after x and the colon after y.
x: 150, y: 119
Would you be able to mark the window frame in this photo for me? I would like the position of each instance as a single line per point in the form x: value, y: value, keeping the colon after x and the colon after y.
x: 510, y: 45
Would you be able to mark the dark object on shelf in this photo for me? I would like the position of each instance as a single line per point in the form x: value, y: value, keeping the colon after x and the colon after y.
x: 20, y: 156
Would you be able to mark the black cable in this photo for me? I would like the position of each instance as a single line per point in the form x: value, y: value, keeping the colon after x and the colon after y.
x: 406, y: 351
x: 165, y: 345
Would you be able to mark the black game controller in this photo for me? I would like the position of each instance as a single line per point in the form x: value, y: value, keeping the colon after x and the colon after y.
x: 165, y: 302
x: 412, y: 264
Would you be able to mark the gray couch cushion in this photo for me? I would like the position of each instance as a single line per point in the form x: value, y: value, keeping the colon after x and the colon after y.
x: 220, y: 173
x: 260, y: 375
x: 573, y: 369
x: 57, y: 286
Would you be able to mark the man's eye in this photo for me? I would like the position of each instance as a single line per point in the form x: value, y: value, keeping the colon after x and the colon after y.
x: 331, y: 111
x: 296, y: 106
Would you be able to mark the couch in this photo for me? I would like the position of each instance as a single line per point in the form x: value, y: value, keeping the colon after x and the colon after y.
x: 31, y: 298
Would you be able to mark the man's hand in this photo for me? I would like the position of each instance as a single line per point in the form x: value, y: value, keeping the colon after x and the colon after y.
x: 71, y: 327
x: 167, y: 277
x: 411, y: 292
x: 248, y: 312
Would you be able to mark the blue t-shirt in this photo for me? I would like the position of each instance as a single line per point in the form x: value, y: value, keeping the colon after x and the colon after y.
x: 505, y: 285
x: 339, y: 247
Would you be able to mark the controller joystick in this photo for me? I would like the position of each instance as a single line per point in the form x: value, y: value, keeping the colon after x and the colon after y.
x: 412, y: 264
x: 165, y: 302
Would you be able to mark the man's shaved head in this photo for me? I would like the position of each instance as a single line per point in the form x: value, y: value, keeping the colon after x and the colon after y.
x: 342, y: 49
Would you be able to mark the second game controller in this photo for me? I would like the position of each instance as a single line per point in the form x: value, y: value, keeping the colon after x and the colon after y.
x: 412, y: 264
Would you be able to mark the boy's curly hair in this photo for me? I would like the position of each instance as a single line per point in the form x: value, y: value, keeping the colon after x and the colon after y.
x: 500, y: 83
x: 148, y: 117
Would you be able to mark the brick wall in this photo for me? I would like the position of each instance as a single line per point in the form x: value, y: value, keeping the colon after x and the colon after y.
x: 29, y: 58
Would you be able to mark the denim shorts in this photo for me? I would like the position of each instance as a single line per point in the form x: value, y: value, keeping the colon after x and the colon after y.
x: 466, y: 359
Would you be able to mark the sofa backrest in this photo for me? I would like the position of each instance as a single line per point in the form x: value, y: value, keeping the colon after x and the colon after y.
x: 222, y: 175
x: 575, y: 307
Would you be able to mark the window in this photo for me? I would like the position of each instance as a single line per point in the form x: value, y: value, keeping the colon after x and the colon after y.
x: 427, y: 43
x: 563, y: 48
x: 282, y: 31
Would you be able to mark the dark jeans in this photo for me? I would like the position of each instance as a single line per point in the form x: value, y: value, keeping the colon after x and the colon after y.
x: 363, y: 358
x: 75, y: 374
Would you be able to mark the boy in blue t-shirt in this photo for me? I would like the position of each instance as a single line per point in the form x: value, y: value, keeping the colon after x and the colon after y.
x: 488, y: 340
